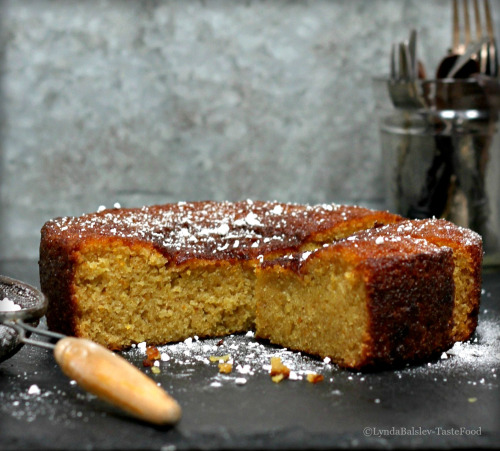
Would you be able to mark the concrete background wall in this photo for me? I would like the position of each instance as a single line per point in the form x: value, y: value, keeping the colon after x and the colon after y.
x: 142, y: 102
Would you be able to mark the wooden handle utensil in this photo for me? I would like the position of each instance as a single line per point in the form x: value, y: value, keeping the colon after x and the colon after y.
x: 114, y: 379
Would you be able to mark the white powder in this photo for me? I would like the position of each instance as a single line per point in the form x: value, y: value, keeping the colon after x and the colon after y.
x: 277, y: 210
x: 248, y: 356
x: 6, y: 305
x: 476, y: 361
x: 305, y: 255
x: 34, y: 390
x: 485, y: 348
x: 252, y: 219
x: 54, y: 404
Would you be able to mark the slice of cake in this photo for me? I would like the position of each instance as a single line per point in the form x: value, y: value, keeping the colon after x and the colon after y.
x: 381, y: 297
x: 165, y: 273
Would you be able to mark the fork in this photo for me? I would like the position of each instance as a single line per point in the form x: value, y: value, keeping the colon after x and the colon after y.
x: 404, y: 71
x: 468, y: 55
x: 487, y: 56
x: 458, y: 47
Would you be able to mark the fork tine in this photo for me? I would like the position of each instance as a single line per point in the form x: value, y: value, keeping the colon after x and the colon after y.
x: 491, y: 64
x: 477, y: 15
x: 412, y: 49
x: 456, y: 28
x: 489, y: 21
x: 466, y: 23
x: 394, y: 62
x: 461, y: 13
x: 403, y: 61
x: 482, y: 54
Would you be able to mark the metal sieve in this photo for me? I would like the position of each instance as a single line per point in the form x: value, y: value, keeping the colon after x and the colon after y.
x: 93, y: 367
x: 16, y: 326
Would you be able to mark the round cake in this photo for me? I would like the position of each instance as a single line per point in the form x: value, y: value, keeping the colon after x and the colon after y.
x: 168, y: 272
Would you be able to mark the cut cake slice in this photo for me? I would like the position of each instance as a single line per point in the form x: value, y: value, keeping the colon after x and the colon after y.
x: 399, y: 293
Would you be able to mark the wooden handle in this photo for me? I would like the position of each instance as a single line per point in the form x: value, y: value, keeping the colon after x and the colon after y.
x: 114, y: 379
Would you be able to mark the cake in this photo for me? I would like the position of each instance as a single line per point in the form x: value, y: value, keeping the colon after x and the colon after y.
x: 379, y: 298
x: 168, y: 272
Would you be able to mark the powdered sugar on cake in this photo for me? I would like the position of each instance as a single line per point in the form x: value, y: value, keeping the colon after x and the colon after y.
x: 212, y: 229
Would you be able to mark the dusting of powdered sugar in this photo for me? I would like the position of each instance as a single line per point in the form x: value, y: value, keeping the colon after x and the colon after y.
x: 60, y: 404
x: 218, y: 229
x: 477, y: 360
x: 248, y: 356
x: 482, y: 350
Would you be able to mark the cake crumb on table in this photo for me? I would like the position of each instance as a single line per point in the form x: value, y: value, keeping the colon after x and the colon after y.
x: 314, y: 378
x: 278, y: 371
x: 225, y: 367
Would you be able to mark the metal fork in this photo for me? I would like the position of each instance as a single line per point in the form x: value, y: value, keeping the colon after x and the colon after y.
x: 471, y: 55
x: 403, y: 87
x: 404, y: 61
x: 487, y: 56
x: 452, y: 65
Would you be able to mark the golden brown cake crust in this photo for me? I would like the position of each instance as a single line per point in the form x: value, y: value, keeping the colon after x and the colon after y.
x: 400, y: 237
x: 435, y: 314
x: 56, y: 278
x: 468, y: 254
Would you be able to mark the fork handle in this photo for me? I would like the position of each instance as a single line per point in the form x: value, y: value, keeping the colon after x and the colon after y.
x: 115, y: 380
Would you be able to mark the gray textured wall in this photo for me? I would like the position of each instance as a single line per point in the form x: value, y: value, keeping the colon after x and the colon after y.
x: 142, y: 102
